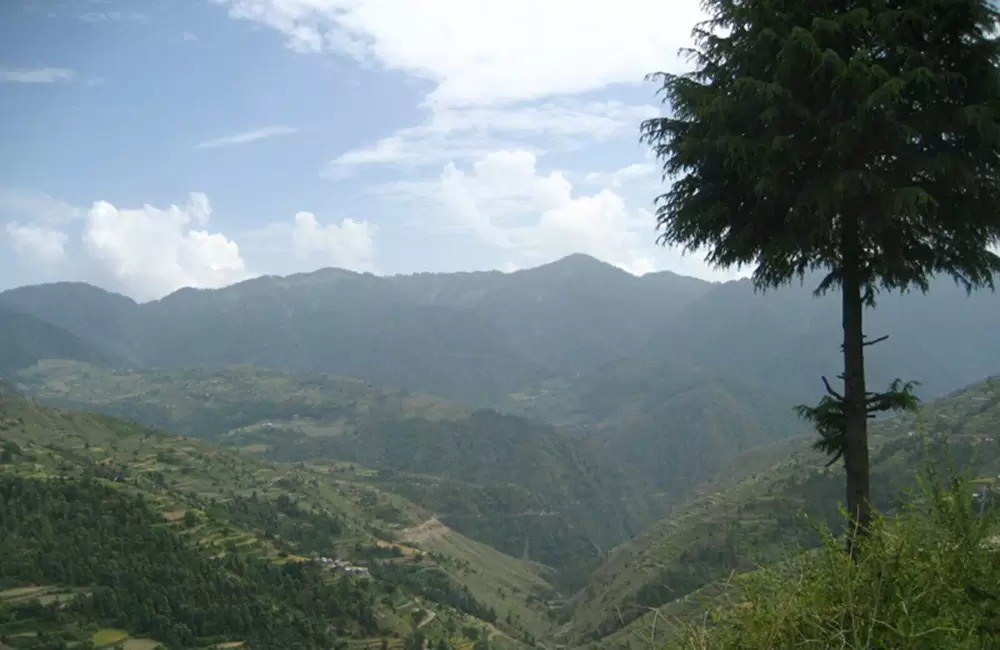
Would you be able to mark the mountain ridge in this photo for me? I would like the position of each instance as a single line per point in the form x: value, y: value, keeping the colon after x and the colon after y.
x: 479, y: 336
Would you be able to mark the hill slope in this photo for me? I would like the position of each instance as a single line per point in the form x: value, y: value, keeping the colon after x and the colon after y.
x: 182, y: 497
x: 521, y: 486
x: 752, y: 514
x: 667, y: 427
x: 25, y: 340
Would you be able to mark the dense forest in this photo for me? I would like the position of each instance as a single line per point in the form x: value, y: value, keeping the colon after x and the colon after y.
x: 136, y: 574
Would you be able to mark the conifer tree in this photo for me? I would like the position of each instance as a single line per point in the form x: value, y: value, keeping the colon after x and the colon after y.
x: 858, y: 138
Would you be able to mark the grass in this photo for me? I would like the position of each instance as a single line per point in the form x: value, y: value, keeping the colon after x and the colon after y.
x: 142, y: 644
x: 108, y: 637
x: 927, y: 579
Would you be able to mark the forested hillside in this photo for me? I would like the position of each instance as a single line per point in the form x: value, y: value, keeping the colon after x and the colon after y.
x: 521, y: 486
x: 142, y: 534
x: 479, y: 336
x: 667, y: 427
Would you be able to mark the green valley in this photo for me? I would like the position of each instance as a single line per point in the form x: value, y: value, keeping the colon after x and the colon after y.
x: 518, y: 485
x: 196, y: 520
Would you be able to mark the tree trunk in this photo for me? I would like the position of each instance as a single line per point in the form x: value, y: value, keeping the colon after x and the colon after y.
x: 856, y: 461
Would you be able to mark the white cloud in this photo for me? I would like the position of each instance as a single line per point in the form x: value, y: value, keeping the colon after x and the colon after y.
x: 349, y: 245
x: 247, y: 137
x: 531, y: 218
x: 490, y: 52
x: 189, y: 36
x: 491, y: 63
x: 39, y: 244
x: 148, y: 253
x: 464, y: 134
x: 35, y: 75
x: 620, y: 177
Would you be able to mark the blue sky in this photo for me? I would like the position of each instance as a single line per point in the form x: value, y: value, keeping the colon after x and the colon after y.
x: 155, y: 144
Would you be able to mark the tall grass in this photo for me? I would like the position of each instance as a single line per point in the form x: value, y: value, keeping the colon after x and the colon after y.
x: 928, y: 579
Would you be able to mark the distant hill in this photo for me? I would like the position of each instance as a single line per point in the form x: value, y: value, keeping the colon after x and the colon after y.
x: 521, y: 486
x: 751, y: 514
x: 25, y: 340
x: 197, y: 523
x: 478, y: 336
x: 667, y: 427
x: 787, y: 339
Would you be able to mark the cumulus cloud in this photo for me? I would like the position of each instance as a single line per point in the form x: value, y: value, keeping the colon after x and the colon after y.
x: 349, y: 244
x: 465, y: 46
x: 529, y: 217
x: 38, y: 244
x: 35, y: 75
x: 247, y: 137
x: 148, y: 252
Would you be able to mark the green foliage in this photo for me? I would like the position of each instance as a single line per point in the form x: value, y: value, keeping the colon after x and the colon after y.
x: 857, y: 138
x: 927, y: 580
x: 225, y: 504
x: 500, y: 479
x: 803, y: 118
x: 831, y: 424
x: 284, y: 520
x: 435, y: 585
x: 149, y: 579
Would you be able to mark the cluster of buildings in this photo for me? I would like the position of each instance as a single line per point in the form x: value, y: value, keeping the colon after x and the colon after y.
x: 344, y: 567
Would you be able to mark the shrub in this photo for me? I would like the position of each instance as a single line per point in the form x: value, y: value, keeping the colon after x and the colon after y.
x: 929, y: 578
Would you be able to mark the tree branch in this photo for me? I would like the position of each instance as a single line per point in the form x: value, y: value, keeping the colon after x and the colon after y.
x: 830, y: 390
x: 874, y: 341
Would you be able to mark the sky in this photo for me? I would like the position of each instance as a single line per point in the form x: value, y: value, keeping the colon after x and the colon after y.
x: 150, y: 145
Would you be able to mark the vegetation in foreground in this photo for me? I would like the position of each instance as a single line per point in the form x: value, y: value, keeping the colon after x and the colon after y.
x: 927, y: 579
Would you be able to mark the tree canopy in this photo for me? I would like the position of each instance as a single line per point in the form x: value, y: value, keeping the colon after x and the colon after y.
x: 856, y: 137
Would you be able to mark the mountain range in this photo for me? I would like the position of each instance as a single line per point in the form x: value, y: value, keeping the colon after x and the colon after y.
x: 477, y: 337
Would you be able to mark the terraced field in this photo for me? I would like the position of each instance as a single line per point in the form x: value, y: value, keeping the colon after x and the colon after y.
x: 195, y: 487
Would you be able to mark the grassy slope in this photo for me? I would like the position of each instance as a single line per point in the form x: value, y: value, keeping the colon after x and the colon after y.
x: 178, y: 474
x: 751, y: 515
x: 529, y: 470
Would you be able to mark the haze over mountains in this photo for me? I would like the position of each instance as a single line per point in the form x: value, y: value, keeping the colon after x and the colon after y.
x: 479, y: 336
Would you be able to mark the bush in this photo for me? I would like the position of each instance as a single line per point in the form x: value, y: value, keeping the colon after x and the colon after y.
x: 928, y: 578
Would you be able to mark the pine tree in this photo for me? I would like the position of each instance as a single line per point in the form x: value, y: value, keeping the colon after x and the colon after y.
x: 859, y: 138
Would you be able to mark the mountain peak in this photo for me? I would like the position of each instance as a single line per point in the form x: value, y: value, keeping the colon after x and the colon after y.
x: 575, y: 264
